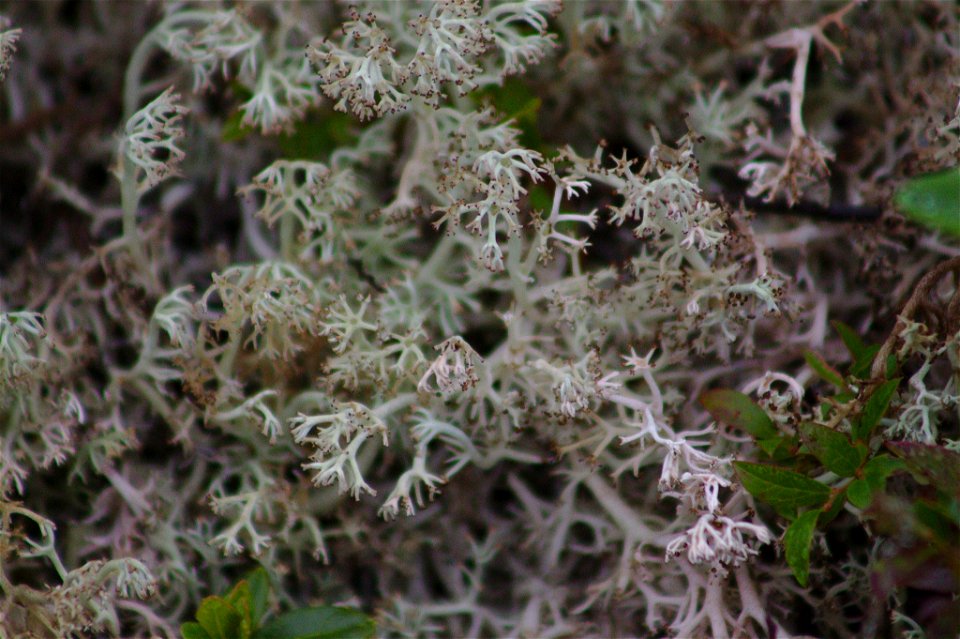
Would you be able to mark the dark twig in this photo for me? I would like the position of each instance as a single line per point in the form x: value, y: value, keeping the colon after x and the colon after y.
x: 828, y: 213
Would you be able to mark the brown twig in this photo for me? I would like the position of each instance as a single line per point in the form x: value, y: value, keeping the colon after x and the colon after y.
x: 920, y: 292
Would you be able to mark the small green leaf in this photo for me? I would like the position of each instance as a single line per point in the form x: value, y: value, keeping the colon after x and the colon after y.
x: 320, y: 133
x: 787, y: 448
x: 936, y: 518
x: 824, y: 410
x: 193, y: 630
x: 860, y: 368
x: 825, y: 371
x: 833, y: 449
x: 259, y: 594
x: 796, y: 545
x: 233, y: 129
x: 844, y: 397
x: 769, y: 445
x: 739, y: 411
x: 519, y: 102
x: 239, y: 594
x: 892, y: 366
x: 875, y: 408
x: 220, y: 619
x: 932, y: 200
x: 320, y: 622
x: 935, y: 464
x: 859, y: 493
x: 953, y: 511
x: 836, y: 507
x: 879, y: 468
x: 239, y: 598
x: 539, y: 198
x: 851, y: 340
x: 785, y: 490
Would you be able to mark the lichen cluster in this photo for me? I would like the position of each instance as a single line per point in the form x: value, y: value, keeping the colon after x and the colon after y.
x: 412, y: 303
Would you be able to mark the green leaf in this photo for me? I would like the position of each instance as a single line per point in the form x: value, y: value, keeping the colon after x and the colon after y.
x: 193, y: 630
x: 859, y: 493
x: 785, y: 490
x: 796, y: 545
x: 953, y: 511
x: 833, y: 449
x: 234, y: 129
x: 786, y: 448
x: 936, y: 518
x: 739, y: 411
x: 239, y: 598
x: 259, y: 594
x: 860, y: 368
x: 239, y: 594
x: 875, y: 408
x: 220, y: 619
x: 320, y: 622
x: 851, y: 340
x: 935, y: 464
x: 836, y: 507
x: 879, y: 468
x: 844, y: 397
x: 892, y: 366
x: 539, y: 198
x: 825, y: 371
x: 769, y: 445
x: 518, y: 101
x: 320, y: 133
x: 932, y: 200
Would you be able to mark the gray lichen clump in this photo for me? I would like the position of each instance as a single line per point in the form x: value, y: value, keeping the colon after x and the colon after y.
x: 436, y: 308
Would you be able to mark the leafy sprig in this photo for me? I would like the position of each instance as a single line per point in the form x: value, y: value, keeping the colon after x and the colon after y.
x: 244, y: 613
